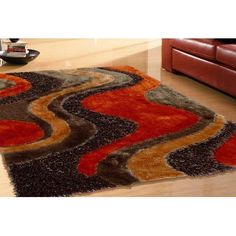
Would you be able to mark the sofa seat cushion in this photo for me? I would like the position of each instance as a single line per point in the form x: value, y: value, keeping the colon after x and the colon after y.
x: 204, y: 48
x: 226, y: 54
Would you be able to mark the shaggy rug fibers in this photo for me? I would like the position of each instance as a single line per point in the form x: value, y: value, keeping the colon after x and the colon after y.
x: 78, y: 131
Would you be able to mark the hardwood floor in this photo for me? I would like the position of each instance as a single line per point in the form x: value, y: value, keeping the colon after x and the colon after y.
x: 145, y: 55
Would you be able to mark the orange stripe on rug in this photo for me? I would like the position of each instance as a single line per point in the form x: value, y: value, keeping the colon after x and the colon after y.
x: 150, y: 163
x: 21, y: 85
x: 13, y: 132
x: 226, y: 154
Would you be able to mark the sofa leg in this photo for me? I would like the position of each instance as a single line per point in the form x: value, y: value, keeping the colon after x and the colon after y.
x: 167, y: 55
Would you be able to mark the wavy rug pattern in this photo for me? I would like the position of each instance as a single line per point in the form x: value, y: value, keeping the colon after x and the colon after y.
x: 81, y: 130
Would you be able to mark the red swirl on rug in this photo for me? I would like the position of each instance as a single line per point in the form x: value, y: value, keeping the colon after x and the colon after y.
x: 21, y: 85
x: 226, y: 154
x: 13, y: 132
x: 153, y: 120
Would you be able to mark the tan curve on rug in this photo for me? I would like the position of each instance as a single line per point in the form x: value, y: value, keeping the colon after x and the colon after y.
x: 60, y: 128
x: 150, y: 163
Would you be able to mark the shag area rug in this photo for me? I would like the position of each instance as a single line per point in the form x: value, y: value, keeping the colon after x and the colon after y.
x: 78, y: 131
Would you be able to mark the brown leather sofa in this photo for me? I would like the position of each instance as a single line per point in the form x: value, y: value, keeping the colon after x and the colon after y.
x: 211, y: 61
